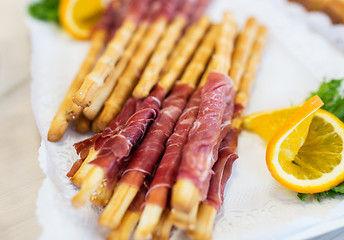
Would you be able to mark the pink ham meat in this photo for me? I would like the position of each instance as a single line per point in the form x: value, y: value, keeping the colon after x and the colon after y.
x: 150, y: 150
x: 82, y: 148
x: 168, y: 168
x: 222, y: 169
x: 113, y: 152
x: 198, y: 158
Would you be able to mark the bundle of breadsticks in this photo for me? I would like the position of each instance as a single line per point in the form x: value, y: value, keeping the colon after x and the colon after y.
x: 167, y: 96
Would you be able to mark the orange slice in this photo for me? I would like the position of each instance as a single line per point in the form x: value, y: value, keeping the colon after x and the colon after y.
x: 306, y: 153
x: 78, y: 17
x: 266, y: 123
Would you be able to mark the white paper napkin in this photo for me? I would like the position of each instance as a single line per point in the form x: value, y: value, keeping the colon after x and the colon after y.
x: 300, y: 52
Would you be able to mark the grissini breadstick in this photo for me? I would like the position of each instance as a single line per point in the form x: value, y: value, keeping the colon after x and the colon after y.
x: 224, y: 47
x: 102, y: 94
x: 188, y: 191
x: 112, y: 53
x: 166, y: 172
x: 131, y: 217
x: 102, y: 195
x: 183, y: 52
x: 128, y: 80
x: 67, y: 112
x: 157, y: 61
x: 164, y: 227
x: 222, y: 169
x: 242, y: 50
x: 82, y: 124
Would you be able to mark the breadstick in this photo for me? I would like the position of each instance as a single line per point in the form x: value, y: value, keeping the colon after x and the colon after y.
x: 156, y: 63
x: 209, y: 209
x: 128, y: 80
x: 224, y: 47
x: 201, y: 58
x: 113, y: 52
x: 131, y: 217
x: 102, y: 195
x: 242, y: 50
x: 82, y: 124
x: 158, y: 195
x: 185, y: 194
x: 102, y: 94
x: 164, y: 227
x: 65, y: 114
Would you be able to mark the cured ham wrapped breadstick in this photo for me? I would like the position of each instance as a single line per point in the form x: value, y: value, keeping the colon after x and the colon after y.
x: 156, y: 63
x: 112, y: 53
x: 68, y: 111
x: 226, y: 156
x: 127, y: 81
x: 157, y: 198
x: 112, y: 152
x: 191, y: 185
x: 88, y: 146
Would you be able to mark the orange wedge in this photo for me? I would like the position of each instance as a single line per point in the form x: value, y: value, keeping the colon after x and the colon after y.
x: 306, y: 153
x: 78, y: 17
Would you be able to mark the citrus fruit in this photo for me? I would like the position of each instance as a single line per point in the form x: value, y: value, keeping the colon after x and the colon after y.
x: 266, y: 123
x: 78, y: 17
x: 306, y: 152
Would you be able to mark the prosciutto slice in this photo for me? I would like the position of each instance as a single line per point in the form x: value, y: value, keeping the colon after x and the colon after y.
x: 117, y: 147
x: 83, y: 147
x: 152, y: 147
x: 168, y: 168
x: 198, y: 154
x: 222, y: 169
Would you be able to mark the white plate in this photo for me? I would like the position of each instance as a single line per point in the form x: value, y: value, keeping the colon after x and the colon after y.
x: 295, y: 61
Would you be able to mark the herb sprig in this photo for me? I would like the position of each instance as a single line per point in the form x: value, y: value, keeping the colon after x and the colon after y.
x: 45, y: 10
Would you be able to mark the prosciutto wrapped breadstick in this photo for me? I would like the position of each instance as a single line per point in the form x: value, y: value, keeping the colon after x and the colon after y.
x: 113, y: 52
x: 226, y: 156
x: 157, y: 197
x: 156, y: 63
x: 95, y: 142
x: 196, y: 164
x: 68, y: 111
x: 128, y: 80
x: 113, y: 150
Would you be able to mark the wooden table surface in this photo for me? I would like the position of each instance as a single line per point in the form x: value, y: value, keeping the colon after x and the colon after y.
x: 20, y: 175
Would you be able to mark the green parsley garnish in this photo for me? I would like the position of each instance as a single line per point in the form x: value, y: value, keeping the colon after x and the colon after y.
x: 45, y: 10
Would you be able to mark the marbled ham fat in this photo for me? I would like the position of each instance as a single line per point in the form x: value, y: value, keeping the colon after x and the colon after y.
x: 198, y: 158
x: 152, y: 147
x: 168, y: 168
